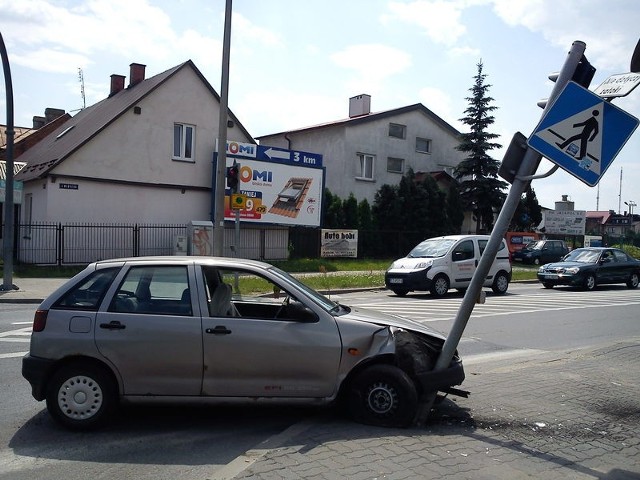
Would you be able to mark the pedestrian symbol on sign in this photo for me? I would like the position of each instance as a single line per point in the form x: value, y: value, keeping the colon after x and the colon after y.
x: 579, y: 137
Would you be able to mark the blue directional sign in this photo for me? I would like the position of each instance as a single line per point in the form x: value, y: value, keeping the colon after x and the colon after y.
x: 582, y: 133
x: 273, y: 154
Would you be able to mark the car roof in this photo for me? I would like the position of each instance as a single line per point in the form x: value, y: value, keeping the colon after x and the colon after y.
x: 184, y: 259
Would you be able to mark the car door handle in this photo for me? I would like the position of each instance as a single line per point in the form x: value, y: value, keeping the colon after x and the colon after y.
x: 219, y: 330
x: 114, y: 325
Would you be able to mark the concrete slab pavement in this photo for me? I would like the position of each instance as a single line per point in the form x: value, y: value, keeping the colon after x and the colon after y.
x: 567, y: 415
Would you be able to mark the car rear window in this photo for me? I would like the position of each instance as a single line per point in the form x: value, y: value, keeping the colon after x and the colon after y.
x: 88, y: 293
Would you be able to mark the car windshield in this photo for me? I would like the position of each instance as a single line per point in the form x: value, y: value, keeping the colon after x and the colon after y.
x: 432, y: 248
x: 325, y: 303
x: 535, y: 245
x: 583, y: 256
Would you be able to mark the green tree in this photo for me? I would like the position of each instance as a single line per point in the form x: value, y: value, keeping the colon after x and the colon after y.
x: 350, y: 208
x: 481, y: 191
x: 528, y: 214
x: 455, y: 209
x: 334, y: 213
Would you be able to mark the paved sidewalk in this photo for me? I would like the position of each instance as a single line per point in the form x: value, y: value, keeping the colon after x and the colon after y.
x: 31, y: 290
x: 569, y: 415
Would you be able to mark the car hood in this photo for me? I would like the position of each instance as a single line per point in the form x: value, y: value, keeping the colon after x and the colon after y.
x: 410, y: 263
x: 385, y: 319
x: 566, y: 264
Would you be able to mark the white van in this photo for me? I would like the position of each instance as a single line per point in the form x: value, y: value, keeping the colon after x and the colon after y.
x: 441, y: 263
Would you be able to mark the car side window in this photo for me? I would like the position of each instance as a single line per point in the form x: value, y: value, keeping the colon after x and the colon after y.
x: 463, y: 251
x: 88, y: 294
x: 157, y: 290
x: 620, y: 256
x: 243, y: 294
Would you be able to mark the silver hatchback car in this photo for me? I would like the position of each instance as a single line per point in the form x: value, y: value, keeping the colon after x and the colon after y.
x: 221, y: 329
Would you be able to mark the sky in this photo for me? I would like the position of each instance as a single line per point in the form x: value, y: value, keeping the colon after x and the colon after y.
x: 296, y: 63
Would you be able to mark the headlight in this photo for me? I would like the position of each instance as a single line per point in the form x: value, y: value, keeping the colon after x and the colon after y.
x: 572, y: 270
x: 541, y: 269
x: 422, y: 265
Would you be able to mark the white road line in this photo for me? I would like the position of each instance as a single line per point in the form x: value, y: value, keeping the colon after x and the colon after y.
x: 13, y: 355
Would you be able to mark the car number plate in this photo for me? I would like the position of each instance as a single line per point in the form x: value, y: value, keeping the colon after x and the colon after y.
x: 551, y: 276
x: 395, y: 280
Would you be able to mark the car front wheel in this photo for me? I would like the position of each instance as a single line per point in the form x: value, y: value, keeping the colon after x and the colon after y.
x: 81, y: 397
x: 500, y: 283
x: 383, y: 395
x: 590, y: 282
x: 547, y: 285
x: 439, y: 286
x: 633, y: 281
x: 400, y: 292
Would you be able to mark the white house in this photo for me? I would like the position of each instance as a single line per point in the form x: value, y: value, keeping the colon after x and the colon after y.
x: 144, y: 154
x: 367, y: 150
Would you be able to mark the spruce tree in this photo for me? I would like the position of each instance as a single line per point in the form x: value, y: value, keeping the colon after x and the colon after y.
x: 481, y: 191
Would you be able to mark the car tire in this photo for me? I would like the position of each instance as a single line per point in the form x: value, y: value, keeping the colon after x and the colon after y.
x: 81, y: 396
x: 547, y: 285
x: 400, y: 293
x: 590, y: 281
x: 439, y: 286
x: 536, y: 261
x: 383, y: 395
x: 633, y: 281
x: 500, y: 283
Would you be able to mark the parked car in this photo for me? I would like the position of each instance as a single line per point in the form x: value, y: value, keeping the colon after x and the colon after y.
x: 438, y: 264
x: 541, y: 252
x: 220, y: 329
x: 588, y: 267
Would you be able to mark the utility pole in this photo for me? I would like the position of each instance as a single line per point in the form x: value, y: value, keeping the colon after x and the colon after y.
x: 7, y: 238
x: 220, y: 166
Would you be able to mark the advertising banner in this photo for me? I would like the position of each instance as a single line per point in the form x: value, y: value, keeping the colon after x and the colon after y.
x: 339, y: 243
x: 565, y: 222
x: 281, y: 186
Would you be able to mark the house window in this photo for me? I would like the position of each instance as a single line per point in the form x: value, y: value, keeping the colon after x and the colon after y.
x: 184, y: 137
x: 366, y: 166
x: 395, y: 165
x: 397, y: 131
x: 423, y: 145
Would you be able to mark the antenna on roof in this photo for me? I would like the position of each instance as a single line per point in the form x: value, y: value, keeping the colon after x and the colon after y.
x: 81, y: 80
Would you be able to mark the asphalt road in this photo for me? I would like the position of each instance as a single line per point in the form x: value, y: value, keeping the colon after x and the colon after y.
x: 196, y: 442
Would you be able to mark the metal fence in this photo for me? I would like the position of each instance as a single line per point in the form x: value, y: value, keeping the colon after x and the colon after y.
x: 83, y: 243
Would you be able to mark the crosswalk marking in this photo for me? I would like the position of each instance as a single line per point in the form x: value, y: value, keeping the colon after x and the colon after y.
x: 427, y: 309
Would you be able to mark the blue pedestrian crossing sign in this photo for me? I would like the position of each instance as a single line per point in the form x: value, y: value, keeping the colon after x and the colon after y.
x: 582, y: 133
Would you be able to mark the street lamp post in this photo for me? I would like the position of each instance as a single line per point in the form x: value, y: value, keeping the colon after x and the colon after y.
x: 630, y: 204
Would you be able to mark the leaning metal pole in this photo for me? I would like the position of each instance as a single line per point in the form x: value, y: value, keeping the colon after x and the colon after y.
x: 220, y: 166
x: 7, y: 238
x: 527, y: 169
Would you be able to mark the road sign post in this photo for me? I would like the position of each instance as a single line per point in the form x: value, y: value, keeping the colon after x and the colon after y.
x: 521, y: 180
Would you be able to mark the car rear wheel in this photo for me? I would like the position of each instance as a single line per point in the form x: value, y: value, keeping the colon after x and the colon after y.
x: 440, y: 286
x: 633, y: 281
x: 590, y: 282
x: 81, y: 397
x: 383, y: 395
x: 500, y: 283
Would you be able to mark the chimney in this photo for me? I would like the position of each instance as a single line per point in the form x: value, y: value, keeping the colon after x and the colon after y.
x: 50, y: 114
x: 117, y: 84
x: 136, y: 74
x: 38, y: 122
x: 359, y: 105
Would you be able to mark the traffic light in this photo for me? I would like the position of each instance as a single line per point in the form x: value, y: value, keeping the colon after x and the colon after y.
x: 233, y: 177
x: 582, y: 75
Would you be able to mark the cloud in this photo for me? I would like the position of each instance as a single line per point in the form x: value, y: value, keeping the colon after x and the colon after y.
x: 372, y: 64
x: 610, y: 29
x: 439, y: 102
x: 440, y: 19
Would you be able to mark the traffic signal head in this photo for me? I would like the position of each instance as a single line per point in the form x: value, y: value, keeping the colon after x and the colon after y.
x: 582, y: 75
x: 233, y: 177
